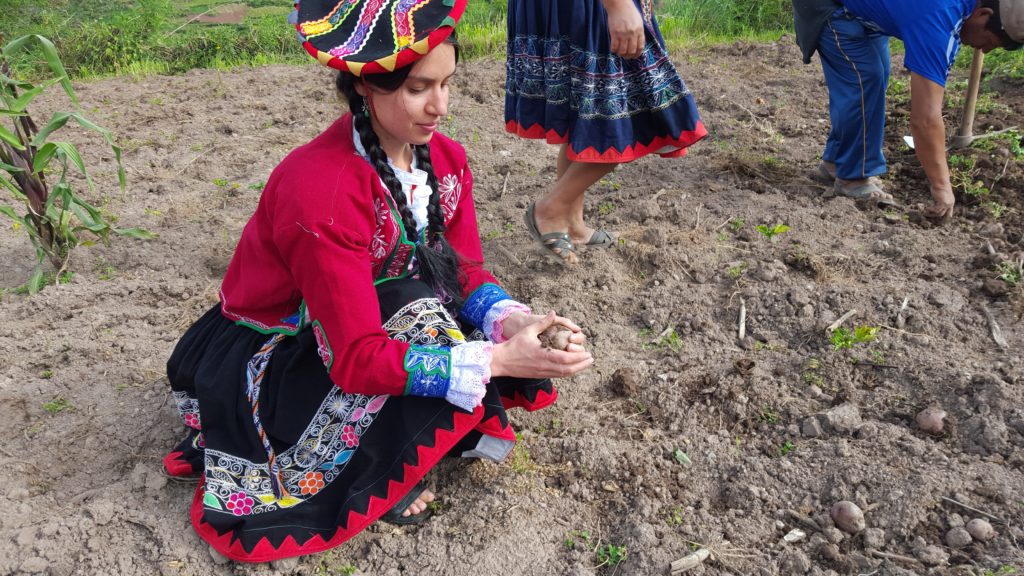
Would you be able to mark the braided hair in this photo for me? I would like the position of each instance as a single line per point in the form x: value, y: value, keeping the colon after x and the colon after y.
x: 437, y: 261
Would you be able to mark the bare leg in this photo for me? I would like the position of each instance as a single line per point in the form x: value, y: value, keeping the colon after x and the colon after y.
x: 562, y: 207
x: 420, y: 504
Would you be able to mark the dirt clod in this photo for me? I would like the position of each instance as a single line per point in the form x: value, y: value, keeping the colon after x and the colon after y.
x: 625, y: 382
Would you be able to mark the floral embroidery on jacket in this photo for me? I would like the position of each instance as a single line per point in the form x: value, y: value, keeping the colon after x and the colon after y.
x: 383, y: 241
x: 451, y: 190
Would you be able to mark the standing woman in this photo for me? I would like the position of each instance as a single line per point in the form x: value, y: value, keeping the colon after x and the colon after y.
x: 358, y: 339
x: 593, y: 76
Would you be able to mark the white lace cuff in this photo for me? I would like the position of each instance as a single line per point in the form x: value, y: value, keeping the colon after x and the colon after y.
x: 498, y: 313
x: 471, y: 371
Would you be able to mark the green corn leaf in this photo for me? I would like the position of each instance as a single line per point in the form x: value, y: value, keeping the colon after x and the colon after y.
x: 138, y: 233
x: 21, y: 102
x: 6, y: 80
x: 43, y: 157
x: 10, y: 213
x: 69, y: 151
x: 90, y: 216
x: 51, y: 56
x: 13, y: 188
x: 13, y: 113
x: 88, y: 222
x: 9, y: 168
x: 35, y: 283
x: 11, y: 139
x: 59, y: 119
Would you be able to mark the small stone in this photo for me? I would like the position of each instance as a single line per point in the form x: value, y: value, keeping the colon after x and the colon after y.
x: 981, y: 530
x: 844, y: 418
x: 958, y: 538
x: 609, y: 487
x: 811, y: 427
x: 795, y: 535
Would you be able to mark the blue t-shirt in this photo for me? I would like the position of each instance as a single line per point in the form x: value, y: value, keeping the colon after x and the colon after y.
x: 929, y: 29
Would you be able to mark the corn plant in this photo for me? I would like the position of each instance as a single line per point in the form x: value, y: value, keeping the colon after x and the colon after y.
x: 34, y: 168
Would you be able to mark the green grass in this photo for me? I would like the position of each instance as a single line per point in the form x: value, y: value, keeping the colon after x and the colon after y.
x: 688, y: 22
x: 104, y: 37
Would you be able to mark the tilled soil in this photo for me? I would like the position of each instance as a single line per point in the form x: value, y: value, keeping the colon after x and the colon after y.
x: 682, y: 436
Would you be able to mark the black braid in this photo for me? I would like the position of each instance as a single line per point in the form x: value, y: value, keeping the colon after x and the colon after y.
x: 441, y: 260
x: 438, y: 262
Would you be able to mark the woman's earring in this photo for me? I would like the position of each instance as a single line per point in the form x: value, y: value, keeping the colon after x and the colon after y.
x: 366, y: 109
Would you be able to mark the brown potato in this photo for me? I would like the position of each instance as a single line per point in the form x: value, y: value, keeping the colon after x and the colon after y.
x: 931, y: 420
x: 555, y: 337
x: 848, y: 516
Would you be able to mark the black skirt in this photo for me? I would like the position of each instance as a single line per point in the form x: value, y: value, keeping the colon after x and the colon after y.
x: 291, y: 464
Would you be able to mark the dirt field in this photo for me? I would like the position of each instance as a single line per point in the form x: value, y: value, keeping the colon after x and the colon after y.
x: 682, y: 436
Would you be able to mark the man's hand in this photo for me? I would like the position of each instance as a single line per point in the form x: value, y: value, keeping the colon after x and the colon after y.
x: 626, y: 28
x: 930, y: 142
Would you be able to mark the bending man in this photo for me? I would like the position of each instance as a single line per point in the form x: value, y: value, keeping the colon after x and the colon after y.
x: 852, y: 39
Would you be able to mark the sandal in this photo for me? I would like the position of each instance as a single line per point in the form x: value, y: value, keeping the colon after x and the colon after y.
x: 601, y: 239
x: 555, y: 244
x: 867, y: 192
x: 394, y: 516
x: 823, y: 175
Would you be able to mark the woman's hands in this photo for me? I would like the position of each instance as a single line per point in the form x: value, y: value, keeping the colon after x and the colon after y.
x: 517, y: 321
x: 522, y: 355
x: 626, y: 28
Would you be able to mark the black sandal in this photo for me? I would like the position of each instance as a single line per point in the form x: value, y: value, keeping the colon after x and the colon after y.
x: 394, y: 516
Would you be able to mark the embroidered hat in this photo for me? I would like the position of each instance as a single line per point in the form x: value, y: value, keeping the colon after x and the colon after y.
x: 1011, y: 12
x: 373, y: 36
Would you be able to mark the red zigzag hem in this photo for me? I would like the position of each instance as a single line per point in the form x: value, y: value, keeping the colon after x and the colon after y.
x: 428, y: 457
x: 685, y: 139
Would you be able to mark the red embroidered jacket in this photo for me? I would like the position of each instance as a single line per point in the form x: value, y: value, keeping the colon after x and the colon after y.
x: 325, y: 229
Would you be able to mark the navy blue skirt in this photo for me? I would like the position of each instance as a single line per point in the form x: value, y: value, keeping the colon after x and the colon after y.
x: 566, y: 86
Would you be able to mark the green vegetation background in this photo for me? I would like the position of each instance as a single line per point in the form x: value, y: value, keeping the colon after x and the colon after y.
x: 103, y: 37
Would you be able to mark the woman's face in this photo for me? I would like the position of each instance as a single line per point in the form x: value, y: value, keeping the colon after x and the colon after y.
x: 411, y: 114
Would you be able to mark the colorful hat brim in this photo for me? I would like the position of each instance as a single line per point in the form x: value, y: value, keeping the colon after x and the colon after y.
x: 357, y: 22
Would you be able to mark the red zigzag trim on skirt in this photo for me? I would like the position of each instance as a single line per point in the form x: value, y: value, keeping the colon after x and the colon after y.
x: 176, y: 467
x: 685, y: 139
x: 428, y: 457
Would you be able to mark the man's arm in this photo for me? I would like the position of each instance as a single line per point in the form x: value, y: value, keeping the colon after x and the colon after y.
x: 929, y: 132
